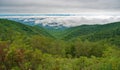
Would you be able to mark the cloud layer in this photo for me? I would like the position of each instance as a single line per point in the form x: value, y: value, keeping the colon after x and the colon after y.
x: 59, y: 6
x: 65, y: 21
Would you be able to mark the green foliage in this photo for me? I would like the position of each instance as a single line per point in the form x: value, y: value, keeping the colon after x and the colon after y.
x: 107, y: 32
x: 9, y: 29
x: 25, y: 47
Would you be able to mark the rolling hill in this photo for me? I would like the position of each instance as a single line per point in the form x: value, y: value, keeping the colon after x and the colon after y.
x: 10, y: 28
x: 109, y: 32
x: 90, y: 30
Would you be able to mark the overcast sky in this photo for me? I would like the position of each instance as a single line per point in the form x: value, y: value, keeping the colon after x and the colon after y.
x: 60, y: 6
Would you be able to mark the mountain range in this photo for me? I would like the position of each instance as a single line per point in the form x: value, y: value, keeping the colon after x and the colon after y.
x: 108, y: 32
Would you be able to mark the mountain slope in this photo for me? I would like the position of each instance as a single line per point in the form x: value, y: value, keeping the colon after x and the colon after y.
x: 11, y: 28
x: 107, y: 32
x: 85, y: 30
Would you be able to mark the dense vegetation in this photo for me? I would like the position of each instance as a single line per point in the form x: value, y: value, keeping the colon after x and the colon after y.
x: 87, y: 47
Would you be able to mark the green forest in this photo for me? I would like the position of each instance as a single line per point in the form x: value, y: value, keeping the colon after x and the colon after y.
x: 85, y: 47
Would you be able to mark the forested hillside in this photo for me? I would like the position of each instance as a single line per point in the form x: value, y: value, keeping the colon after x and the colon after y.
x: 86, y: 47
x: 91, y: 29
x: 107, y: 32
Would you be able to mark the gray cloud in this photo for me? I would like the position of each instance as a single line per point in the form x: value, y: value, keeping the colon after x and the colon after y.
x: 58, y: 6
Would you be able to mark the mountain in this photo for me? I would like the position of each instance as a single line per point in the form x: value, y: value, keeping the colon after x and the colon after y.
x: 35, y: 47
x: 10, y: 28
x: 109, y: 32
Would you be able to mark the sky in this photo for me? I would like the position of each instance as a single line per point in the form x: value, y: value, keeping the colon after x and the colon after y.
x: 85, y: 11
x: 60, y: 6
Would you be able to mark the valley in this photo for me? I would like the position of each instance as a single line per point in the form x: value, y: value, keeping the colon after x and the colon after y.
x: 36, y: 47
